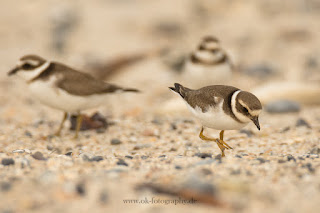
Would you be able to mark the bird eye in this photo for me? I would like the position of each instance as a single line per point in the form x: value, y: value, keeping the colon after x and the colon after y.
x: 245, y: 110
x: 26, y: 66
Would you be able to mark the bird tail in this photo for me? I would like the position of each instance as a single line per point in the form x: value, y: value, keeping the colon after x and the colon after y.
x: 181, y: 90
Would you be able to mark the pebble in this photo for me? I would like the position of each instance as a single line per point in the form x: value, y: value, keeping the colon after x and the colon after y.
x: 315, y: 150
x: 80, y: 189
x: 7, y: 161
x: 141, y: 146
x: 178, y: 167
x: 24, y: 162
x: 262, y: 70
x: 261, y: 160
x: 302, y: 122
x: 121, y: 162
x: 128, y: 156
x: 249, y: 133
x: 103, y: 198
x: 203, y: 155
x: 309, y: 167
x: 38, y: 156
x: 5, y: 186
x: 238, y: 156
x: 291, y: 158
x: 235, y: 172
x: 143, y: 157
x: 162, y: 156
x: 194, y: 183
x: 18, y: 151
x: 96, y: 158
x: 28, y: 134
x: 68, y: 154
x: 115, y: 141
x: 286, y: 129
x: 282, y: 106
x: 281, y: 161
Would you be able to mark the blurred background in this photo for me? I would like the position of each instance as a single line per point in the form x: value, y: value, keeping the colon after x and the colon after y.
x: 274, y: 46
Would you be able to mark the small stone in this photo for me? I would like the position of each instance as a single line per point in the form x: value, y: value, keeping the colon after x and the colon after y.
x: 5, y: 186
x: 203, y: 155
x: 96, y: 158
x: 235, y: 172
x: 261, y: 160
x: 281, y: 161
x: 262, y: 70
x: 282, y: 106
x: 85, y: 157
x: 143, y: 157
x: 28, y: 134
x: 194, y: 183
x: 238, y: 156
x: 101, y: 130
x: 301, y: 158
x: 141, y: 146
x: 156, y: 121
x: 68, y: 154
x: 18, y: 151
x: 80, y: 189
x: 103, y: 198
x: 302, y: 122
x: 218, y: 157
x: 128, y: 156
x: 173, y: 126
x: 286, y: 129
x: 27, y: 151
x: 173, y: 149
x: 206, y: 171
x: 38, y: 156
x: 7, y: 161
x: 24, y: 162
x: 178, y: 167
x: 249, y: 133
x: 162, y: 156
x: 50, y: 147
x: 291, y: 158
x: 115, y: 141
x: 244, y: 154
x: 309, y: 167
x: 121, y: 162
x: 315, y: 150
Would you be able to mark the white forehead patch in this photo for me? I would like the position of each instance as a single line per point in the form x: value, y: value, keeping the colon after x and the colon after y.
x: 211, y: 45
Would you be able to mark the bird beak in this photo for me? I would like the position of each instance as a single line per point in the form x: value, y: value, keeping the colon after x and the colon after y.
x: 255, y: 120
x: 13, y: 71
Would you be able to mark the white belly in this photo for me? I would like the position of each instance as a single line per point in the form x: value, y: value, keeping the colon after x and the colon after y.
x: 215, y: 118
x: 48, y: 94
x: 199, y: 75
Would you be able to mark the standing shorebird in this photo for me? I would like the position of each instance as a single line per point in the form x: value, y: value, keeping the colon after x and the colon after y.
x: 61, y: 87
x: 208, y: 64
x: 221, y: 107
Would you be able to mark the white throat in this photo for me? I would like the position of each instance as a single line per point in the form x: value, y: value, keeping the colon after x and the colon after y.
x: 238, y: 115
x: 31, y: 74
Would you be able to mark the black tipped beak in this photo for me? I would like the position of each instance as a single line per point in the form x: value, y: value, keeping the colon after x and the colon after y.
x: 255, y: 120
x: 13, y: 71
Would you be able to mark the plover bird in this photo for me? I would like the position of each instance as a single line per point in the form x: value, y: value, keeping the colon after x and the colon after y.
x: 207, y: 65
x: 220, y: 107
x: 64, y: 88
